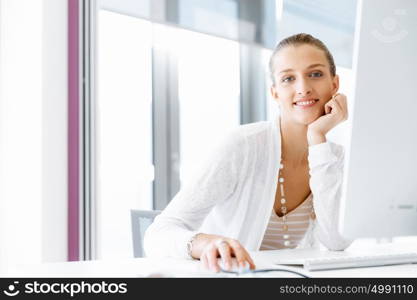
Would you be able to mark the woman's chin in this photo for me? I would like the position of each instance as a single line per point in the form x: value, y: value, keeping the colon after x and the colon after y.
x: 306, y: 120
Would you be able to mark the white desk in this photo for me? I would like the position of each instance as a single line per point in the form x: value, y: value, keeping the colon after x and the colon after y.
x: 143, y: 267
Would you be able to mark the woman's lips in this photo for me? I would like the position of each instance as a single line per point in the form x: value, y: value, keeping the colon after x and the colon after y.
x: 306, y: 103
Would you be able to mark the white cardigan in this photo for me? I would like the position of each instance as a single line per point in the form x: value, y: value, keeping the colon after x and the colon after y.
x: 233, y: 195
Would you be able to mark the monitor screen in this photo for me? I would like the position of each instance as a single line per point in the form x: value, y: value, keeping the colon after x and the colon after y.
x: 380, y: 180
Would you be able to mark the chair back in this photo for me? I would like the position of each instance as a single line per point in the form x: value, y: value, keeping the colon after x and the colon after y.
x: 141, y: 219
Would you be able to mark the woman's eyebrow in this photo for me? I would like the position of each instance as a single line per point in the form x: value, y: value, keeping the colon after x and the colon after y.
x: 309, y: 67
x: 315, y: 66
x: 286, y: 70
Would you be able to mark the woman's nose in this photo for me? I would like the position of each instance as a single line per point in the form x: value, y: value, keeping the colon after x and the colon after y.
x: 303, y: 88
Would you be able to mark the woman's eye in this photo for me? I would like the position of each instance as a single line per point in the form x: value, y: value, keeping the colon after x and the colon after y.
x: 316, y: 74
x: 287, y: 79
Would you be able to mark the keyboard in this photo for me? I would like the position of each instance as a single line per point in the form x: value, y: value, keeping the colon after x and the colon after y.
x: 373, y: 260
x: 315, y: 260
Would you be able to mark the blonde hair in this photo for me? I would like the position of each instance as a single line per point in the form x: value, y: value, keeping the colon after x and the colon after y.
x: 297, y: 40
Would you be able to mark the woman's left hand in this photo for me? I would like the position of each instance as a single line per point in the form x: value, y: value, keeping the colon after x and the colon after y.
x: 335, y: 112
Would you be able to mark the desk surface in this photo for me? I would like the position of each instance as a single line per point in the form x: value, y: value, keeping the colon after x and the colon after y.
x: 168, y: 267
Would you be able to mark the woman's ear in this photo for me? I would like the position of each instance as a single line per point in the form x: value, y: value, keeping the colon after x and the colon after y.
x: 335, y: 84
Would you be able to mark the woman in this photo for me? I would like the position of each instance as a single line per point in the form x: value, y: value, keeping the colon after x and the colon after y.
x: 270, y: 185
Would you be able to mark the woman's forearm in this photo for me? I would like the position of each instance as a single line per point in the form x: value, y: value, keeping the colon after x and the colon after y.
x: 326, y: 180
x: 315, y: 138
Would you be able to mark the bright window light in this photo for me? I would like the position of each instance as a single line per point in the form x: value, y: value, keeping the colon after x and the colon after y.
x: 124, y: 133
x: 208, y: 85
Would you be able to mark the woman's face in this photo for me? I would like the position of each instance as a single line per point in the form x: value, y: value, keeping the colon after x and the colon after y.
x: 303, y: 83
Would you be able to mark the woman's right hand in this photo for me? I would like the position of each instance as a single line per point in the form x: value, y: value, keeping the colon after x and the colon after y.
x: 208, y: 248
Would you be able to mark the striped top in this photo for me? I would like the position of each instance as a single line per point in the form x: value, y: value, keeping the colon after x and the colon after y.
x: 298, y: 221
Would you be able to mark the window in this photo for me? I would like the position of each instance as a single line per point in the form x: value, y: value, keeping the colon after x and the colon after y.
x: 124, y: 128
x: 172, y: 78
x: 208, y: 88
x: 331, y: 21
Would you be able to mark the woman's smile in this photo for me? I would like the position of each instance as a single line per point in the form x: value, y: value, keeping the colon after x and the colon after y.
x: 305, y: 103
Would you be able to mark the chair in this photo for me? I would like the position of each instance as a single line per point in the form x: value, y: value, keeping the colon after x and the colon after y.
x: 141, y: 219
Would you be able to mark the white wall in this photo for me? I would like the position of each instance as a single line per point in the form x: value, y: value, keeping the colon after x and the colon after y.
x: 33, y: 101
x: 2, y: 173
x: 20, y: 135
x: 54, y: 129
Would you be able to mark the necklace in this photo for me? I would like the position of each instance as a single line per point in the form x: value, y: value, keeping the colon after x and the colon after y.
x: 283, y: 206
x: 284, y: 209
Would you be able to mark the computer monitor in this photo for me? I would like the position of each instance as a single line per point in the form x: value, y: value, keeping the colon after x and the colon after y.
x: 380, y: 181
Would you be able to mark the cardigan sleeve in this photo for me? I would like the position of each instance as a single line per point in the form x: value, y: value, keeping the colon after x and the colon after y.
x: 212, y: 183
x: 326, y: 179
